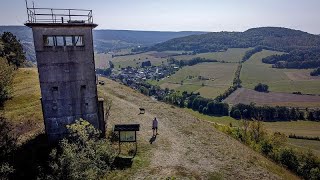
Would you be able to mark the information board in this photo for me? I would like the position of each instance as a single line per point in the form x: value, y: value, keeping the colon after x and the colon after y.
x: 127, y: 136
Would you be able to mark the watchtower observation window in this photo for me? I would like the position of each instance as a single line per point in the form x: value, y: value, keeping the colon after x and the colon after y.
x: 50, y: 41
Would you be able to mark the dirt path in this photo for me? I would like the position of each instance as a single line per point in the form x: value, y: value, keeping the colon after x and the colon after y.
x: 186, y: 146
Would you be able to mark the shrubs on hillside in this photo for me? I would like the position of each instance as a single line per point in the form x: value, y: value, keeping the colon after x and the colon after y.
x: 83, y: 155
x: 261, y: 88
x: 7, y: 146
x: 253, y: 134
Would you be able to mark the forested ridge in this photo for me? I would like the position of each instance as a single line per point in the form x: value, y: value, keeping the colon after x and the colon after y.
x: 281, y: 39
x: 302, y: 49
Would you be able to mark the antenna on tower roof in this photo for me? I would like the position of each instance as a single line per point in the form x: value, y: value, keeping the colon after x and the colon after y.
x: 27, y: 8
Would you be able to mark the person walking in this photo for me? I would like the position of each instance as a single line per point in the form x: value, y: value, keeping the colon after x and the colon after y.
x: 155, y: 126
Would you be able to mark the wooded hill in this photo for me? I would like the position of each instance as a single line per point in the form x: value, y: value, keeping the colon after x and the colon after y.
x: 301, y: 46
x: 282, y: 39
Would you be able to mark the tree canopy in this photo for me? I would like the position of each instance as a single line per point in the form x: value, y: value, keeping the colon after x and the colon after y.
x: 12, y: 50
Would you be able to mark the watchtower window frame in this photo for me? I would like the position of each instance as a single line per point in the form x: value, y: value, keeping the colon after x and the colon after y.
x: 63, y: 40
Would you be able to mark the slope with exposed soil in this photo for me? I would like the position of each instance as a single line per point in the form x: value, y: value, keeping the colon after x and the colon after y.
x: 186, y: 146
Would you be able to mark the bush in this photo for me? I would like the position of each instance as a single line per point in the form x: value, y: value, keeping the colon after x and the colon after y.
x: 236, y: 114
x: 82, y: 155
x: 288, y: 158
x: 144, y: 90
x: 261, y: 88
x: 7, y: 146
x: 309, y: 164
x: 266, y: 147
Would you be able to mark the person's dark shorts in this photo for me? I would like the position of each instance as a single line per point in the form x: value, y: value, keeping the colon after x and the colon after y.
x: 155, y: 128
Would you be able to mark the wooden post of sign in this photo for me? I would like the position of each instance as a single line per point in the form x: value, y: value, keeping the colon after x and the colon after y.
x: 119, y: 144
x: 135, y: 135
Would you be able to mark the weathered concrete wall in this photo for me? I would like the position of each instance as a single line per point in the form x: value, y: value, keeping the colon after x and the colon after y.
x: 67, y: 79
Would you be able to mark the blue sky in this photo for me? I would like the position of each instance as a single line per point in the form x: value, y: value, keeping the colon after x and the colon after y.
x: 182, y: 15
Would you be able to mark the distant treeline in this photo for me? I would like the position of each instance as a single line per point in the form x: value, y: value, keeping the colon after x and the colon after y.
x: 315, y: 72
x: 191, y: 62
x: 269, y: 113
x: 126, y: 54
x: 105, y: 72
x: 293, y: 136
x: 297, y: 59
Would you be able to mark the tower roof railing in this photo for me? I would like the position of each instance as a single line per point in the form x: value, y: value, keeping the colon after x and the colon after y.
x: 50, y: 15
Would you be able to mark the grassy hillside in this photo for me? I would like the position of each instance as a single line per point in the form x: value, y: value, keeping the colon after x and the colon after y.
x: 24, y: 109
x: 186, y: 147
x: 278, y: 80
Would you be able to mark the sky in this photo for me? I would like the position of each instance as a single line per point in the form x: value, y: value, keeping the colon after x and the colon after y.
x: 182, y: 15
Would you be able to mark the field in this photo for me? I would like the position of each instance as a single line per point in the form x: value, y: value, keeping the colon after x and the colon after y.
x: 210, y: 79
x: 246, y: 96
x: 278, y: 80
x: 137, y: 59
x: 231, y: 55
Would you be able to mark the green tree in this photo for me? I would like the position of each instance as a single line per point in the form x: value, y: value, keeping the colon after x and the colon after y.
x: 12, y: 50
x: 261, y: 88
x: 83, y: 154
x: 144, y: 90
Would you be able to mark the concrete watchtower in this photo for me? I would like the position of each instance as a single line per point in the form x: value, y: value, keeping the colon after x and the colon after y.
x: 65, y: 58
